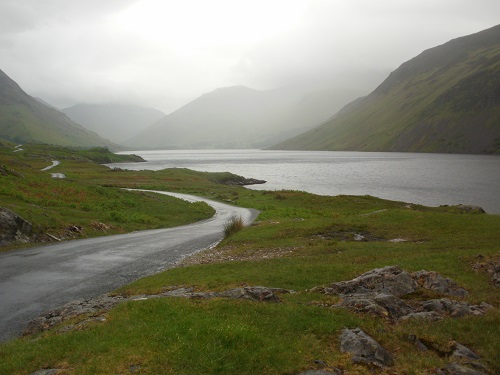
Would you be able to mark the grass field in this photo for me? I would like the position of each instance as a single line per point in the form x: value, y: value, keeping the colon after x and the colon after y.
x: 299, y: 241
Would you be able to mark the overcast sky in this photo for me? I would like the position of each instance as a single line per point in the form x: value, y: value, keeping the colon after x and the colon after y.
x: 164, y: 53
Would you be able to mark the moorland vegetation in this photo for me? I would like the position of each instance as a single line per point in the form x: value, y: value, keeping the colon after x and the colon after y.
x: 300, y: 241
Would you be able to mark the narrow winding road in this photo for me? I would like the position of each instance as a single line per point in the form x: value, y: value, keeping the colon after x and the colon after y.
x: 39, y: 279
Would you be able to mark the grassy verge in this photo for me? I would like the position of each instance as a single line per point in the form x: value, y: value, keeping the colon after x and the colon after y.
x: 77, y: 206
x: 299, y: 241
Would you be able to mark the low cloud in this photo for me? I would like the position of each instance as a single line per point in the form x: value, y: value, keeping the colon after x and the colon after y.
x: 165, y: 53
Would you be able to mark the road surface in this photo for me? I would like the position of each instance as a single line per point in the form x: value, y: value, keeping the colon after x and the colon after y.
x: 54, y: 163
x: 39, y: 279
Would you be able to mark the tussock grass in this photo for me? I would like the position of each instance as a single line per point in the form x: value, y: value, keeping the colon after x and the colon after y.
x: 233, y: 225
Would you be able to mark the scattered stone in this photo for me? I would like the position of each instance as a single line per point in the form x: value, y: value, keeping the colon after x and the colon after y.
x: 255, y: 293
x: 52, y: 237
x: 134, y: 368
x: 47, y: 371
x: 495, y: 279
x: 426, y: 315
x: 459, y: 369
x: 364, y: 349
x: 178, y: 292
x: 225, y: 254
x: 418, y: 344
x: 434, y: 281
x: 100, y: 226
x: 454, y: 309
x: 93, y: 309
x: 13, y: 228
x: 4, y: 171
x: 322, y: 372
x: 462, y: 352
x: 490, y: 265
x: 319, y: 362
x: 390, y: 280
x: 397, y: 240
x: 358, y: 237
x: 374, y: 212
x: 75, y: 228
x: 469, y: 209
x: 485, y: 306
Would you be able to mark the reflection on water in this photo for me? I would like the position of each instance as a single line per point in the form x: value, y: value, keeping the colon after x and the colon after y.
x: 429, y: 179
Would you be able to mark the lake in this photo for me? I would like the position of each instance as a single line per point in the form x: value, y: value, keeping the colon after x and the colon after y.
x: 428, y: 179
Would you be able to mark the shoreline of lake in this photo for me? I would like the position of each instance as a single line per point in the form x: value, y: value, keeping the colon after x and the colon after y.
x: 427, y: 179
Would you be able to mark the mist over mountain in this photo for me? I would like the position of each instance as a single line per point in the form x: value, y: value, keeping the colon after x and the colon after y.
x: 117, y: 122
x: 241, y: 117
x: 46, y: 103
x: 23, y: 119
x: 447, y: 99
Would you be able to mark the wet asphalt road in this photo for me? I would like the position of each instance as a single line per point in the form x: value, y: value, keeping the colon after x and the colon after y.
x: 39, y: 279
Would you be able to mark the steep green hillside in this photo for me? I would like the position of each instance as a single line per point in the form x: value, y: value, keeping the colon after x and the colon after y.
x: 447, y: 99
x: 24, y: 119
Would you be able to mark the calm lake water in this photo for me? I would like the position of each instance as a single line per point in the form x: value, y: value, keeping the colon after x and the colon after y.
x: 428, y: 179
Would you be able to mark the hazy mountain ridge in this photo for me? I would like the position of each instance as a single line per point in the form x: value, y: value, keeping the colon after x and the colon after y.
x: 117, y: 122
x: 23, y: 119
x: 239, y: 117
x: 447, y: 99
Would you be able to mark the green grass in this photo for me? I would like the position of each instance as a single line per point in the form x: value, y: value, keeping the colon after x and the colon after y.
x: 299, y: 241
x: 54, y: 205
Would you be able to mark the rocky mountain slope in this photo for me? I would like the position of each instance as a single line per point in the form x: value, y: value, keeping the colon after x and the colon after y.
x: 447, y: 99
x: 23, y: 119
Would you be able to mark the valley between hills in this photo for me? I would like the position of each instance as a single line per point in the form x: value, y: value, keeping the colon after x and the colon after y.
x: 317, y: 284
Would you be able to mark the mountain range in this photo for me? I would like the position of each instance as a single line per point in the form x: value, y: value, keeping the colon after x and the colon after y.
x: 241, y: 117
x: 24, y: 119
x: 447, y: 99
x: 117, y: 122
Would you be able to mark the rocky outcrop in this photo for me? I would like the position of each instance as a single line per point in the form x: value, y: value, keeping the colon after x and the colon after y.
x: 89, y: 310
x: 364, y: 349
x: 380, y: 304
x: 378, y: 292
x: 462, y: 360
x: 92, y: 310
x: 246, y: 181
x: 254, y: 293
x: 434, y: 281
x: 389, y: 280
x: 13, y: 228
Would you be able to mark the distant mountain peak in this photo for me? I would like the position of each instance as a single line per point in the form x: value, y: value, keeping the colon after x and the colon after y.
x: 116, y: 121
x: 237, y: 117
